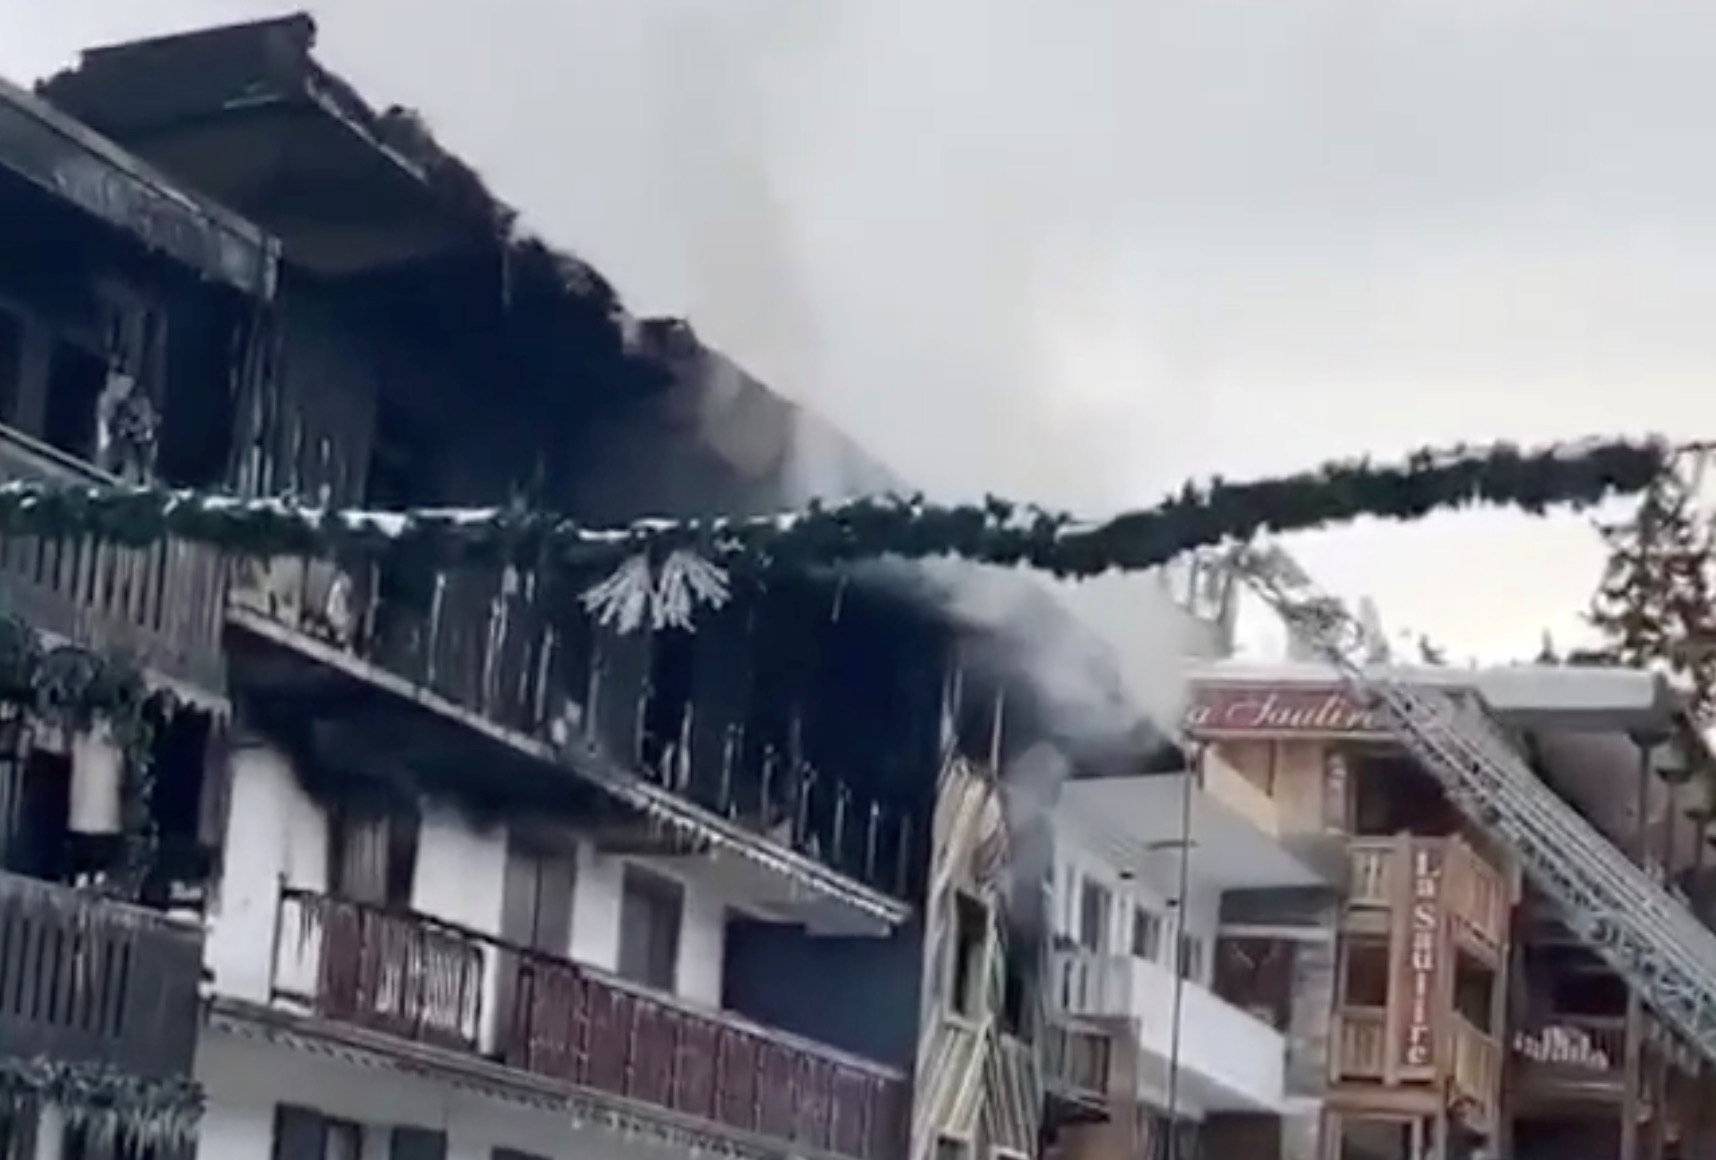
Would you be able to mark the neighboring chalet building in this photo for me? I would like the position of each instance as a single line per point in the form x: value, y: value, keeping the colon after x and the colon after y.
x: 1460, y: 1018
x: 448, y: 866
x: 1155, y: 869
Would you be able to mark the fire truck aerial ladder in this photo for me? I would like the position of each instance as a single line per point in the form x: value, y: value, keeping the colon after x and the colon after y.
x: 1612, y: 905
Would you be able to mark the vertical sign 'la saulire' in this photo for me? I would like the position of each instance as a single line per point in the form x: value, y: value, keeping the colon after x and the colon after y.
x: 1423, y: 958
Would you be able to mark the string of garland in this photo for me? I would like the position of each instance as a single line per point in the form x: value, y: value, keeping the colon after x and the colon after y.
x: 105, y: 1104
x: 78, y: 690
x: 995, y: 531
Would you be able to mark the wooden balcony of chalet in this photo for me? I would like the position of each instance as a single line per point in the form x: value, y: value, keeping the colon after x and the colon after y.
x: 511, y: 656
x: 85, y: 980
x: 1388, y: 875
x: 448, y: 987
x: 161, y: 605
x: 1425, y: 940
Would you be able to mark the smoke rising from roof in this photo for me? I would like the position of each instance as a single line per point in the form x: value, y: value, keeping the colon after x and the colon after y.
x: 1075, y: 253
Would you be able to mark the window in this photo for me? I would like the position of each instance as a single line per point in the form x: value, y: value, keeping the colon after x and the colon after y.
x: 1191, y: 957
x: 1376, y: 1139
x: 75, y: 382
x: 1093, y: 909
x: 1364, y: 973
x: 305, y: 1134
x: 971, y: 929
x: 651, y: 909
x: 1146, y: 934
x: 416, y: 1144
x: 11, y: 364
x: 536, y: 905
x: 373, y: 855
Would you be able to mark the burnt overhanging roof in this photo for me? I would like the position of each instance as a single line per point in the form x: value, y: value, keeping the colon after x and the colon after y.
x: 72, y: 162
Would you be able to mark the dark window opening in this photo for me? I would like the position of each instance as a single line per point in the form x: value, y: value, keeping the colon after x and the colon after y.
x: 304, y: 1134
x: 1094, y: 901
x: 971, y: 923
x: 1392, y: 795
x: 651, y: 911
x: 1191, y: 957
x: 75, y: 382
x: 35, y: 811
x: 373, y: 855
x: 1364, y: 973
x: 1376, y: 1139
x: 1256, y: 975
x: 416, y: 1144
x: 197, y: 422
x: 1474, y: 986
x: 666, y: 737
x: 1146, y: 934
x: 11, y: 365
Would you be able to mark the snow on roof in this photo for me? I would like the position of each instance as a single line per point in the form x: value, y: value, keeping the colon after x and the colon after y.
x: 1593, y: 697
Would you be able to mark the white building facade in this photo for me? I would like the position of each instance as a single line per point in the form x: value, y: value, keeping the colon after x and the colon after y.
x: 377, y: 993
x: 1143, y: 866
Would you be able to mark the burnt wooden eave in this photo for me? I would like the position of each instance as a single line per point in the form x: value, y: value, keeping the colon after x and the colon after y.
x: 295, y: 680
x: 71, y: 162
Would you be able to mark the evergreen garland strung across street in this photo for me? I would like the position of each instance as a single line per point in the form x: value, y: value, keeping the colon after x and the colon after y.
x: 77, y: 690
x: 995, y: 531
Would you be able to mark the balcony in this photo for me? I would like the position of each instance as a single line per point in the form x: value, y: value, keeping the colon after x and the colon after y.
x: 1075, y: 1061
x: 1229, y: 1061
x: 1571, y: 1058
x: 1470, y: 1058
x: 447, y: 987
x: 1471, y: 894
x: 88, y: 981
x: 162, y: 605
x: 512, y: 657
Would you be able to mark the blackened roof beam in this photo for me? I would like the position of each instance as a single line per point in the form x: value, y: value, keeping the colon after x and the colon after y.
x: 72, y: 162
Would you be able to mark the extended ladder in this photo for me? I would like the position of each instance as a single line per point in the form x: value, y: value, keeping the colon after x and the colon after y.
x: 1665, y: 954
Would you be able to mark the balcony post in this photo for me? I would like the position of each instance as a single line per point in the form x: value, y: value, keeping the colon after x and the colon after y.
x: 1632, y: 1094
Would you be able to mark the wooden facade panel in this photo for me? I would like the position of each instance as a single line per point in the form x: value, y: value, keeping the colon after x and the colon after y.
x: 86, y: 980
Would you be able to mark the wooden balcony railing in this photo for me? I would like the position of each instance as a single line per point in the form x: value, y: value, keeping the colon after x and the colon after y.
x: 163, y: 605
x: 1361, y: 1043
x: 1076, y: 1059
x: 1576, y: 1050
x: 1472, y: 893
x: 1477, y: 1064
x: 87, y: 980
x: 492, y: 642
x: 1371, y: 880
x: 421, y: 979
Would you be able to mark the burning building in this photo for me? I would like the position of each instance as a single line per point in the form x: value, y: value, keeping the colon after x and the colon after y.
x: 316, y: 857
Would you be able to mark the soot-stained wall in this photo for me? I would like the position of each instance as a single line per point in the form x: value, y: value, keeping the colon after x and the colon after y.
x: 857, y: 994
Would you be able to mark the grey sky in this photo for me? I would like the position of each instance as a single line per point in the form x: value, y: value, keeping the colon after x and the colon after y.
x: 1075, y: 250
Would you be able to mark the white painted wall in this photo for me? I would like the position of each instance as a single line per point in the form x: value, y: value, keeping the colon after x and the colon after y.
x: 1155, y: 885
x: 275, y: 832
x: 246, y: 1079
x: 461, y: 871
x: 1229, y: 1060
